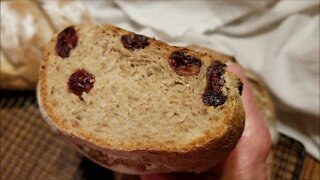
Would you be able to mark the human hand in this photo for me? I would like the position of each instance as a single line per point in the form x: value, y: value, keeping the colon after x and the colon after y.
x: 251, y: 158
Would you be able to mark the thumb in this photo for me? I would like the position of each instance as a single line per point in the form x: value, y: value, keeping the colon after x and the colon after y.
x: 247, y: 95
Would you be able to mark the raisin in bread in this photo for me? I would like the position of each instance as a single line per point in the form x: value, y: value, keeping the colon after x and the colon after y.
x: 137, y: 105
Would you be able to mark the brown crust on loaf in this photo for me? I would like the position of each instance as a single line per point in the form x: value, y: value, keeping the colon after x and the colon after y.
x: 197, y: 156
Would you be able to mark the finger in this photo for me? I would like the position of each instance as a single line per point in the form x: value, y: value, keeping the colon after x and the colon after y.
x: 247, y: 95
x: 250, y: 153
x: 254, y: 120
x: 253, y: 116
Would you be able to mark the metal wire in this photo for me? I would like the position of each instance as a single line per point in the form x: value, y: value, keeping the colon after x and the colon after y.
x: 29, y: 149
x: 288, y: 158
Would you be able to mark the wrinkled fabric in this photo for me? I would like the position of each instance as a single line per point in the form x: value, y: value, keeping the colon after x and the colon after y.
x: 279, y: 40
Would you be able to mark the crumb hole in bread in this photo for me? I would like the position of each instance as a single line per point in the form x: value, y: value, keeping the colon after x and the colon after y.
x: 104, y: 52
x: 132, y: 98
x: 58, y: 68
x: 157, y: 69
x: 54, y: 103
x: 75, y: 123
x: 103, y: 65
x: 113, y: 89
x: 149, y: 73
x: 52, y: 90
x: 204, y: 111
x: 78, y: 117
x: 178, y: 83
x: 240, y: 87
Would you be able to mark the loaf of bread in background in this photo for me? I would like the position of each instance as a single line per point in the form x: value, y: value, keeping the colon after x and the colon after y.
x: 24, y: 34
x: 62, y: 13
x: 264, y: 103
x: 26, y: 28
x: 9, y: 75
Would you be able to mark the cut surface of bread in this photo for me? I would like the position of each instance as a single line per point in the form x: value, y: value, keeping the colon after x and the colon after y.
x: 137, y: 105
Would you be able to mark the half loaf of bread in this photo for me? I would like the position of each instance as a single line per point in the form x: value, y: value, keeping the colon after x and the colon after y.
x: 137, y: 105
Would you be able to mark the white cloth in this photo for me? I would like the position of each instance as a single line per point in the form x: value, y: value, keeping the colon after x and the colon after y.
x: 279, y: 40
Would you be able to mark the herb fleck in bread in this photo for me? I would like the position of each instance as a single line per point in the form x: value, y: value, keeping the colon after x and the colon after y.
x: 137, y: 105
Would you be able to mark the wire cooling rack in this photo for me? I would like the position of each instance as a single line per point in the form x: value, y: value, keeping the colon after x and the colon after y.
x: 288, y: 156
x: 30, y: 150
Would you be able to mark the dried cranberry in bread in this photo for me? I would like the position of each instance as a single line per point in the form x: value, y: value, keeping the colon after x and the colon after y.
x: 137, y: 105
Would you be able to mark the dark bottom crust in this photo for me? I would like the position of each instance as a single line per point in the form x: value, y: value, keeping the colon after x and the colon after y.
x: 145, y: 161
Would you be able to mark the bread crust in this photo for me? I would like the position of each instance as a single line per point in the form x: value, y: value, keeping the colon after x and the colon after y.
x: 197, y: 156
